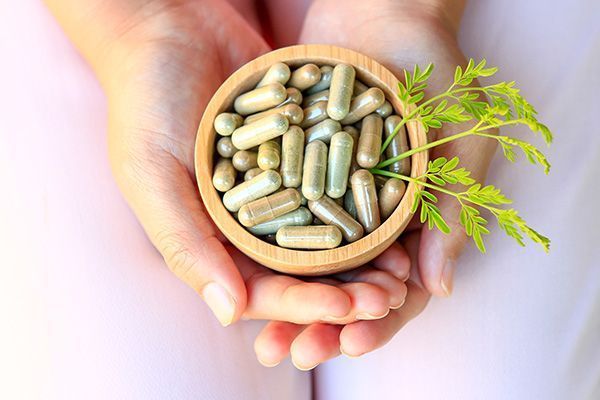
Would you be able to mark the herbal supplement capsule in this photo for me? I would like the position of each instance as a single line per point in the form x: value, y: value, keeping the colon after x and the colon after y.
x: 385, y: 110
x: 267, y: 128
x: 397, y: 146
x: 293, y: 112
x: 251, y: 173
x: 269, y: 155
x: 355, y: 136
x: 369, y: 142
x: 226, y: 123
x: 349, y: 204
x: 309, y: 237
x: 323, y: 131
x: 224, y: 175
x: 325, y: 81
x: 244, y: 160
x: 331, y: 213
x: 292, y: 156
x: 225, y: 147
x: 314, y: 170
x: 305, y: 77
x: 340, y: 91
x: 303, y: 200
x: 278, y: 73
x: 265, y: 183
x: 363, y: 105
x: 315, y: 98
x: 359, y: 88
x: 338, y: 164
x: 269, y: 207
x: 260, y: 99
x: 365, y: 200
x: 314, y: 114
x: 380, y: 181
x: 390, y: 195
x: 294, y: 96
x: 298, y: 217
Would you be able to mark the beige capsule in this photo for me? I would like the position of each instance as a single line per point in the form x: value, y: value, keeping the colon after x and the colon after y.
x: 340, y: 91
x: 277, y: 73
x: 390, y: 195
x: 245, y: 160
x: 294, y: 96
x: 314, y: 114
x: 380, y: 181
x: 322, y: 131
x: 385, y: 110
x: 313, y: 237
x: 225, y: 147
x: 293, y: 112
x: 303, y: 200
x: 369, y: 142
x: 314, y: 170
x: 251, y: 173
x: 298, y: 217
x: 269, y: 155
x: 397, y: 146
x: 363, y: 105
x: 226, y: 123
x: 269, y: 207
x: 267, y: 128
x: 324, y: 82
x: 359, y: 88
x: 261, y: 185
x: 338, y: 164
x: 292, y: 156
x: 305, y: 77
x: 331, y: 213
x: 349, y: 205
x: 315, y: 98
x: 365, y: 200
x: 224, y: 175
x: 260, y: 99
x: 355, y: 136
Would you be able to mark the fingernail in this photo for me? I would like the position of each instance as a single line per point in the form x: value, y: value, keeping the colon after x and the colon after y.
x: 220, y: 302
x: 348, y: 355
x: 266, y: 364
x: 333, y: 320
x: 399, y: 305
x: 368, y: 316
x: 447, y: 276
x: 301, y: 368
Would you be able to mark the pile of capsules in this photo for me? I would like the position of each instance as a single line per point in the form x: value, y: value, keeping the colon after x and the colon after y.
x: 299, y: 139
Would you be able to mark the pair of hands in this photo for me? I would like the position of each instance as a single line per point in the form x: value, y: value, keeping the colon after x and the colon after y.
x: 160, y: 62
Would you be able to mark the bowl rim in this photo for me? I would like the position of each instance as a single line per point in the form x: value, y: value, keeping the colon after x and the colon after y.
x: 292, y: 261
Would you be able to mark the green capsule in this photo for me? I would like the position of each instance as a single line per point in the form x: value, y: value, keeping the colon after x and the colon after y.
x: 325, y: 81
x: 315, y: 98
x: 292, y: 156
x: 225, y: 147
x: 363, y: 105
x: 323, y: 131
x: 251, y: 173
x: 340, y: 91
x: 223, y: 175
x: 397, y: 146
x: 365, y: 200
x: 314, y: 114
x: 303, y: 200
x: 338, y: 164
x: 355, y: 136
x: 294, y: 96
x: 359, y: 88
x: 309, y: 237
x: 278, y: 73
x: 245, y: 160
x: 390, y: 195
x: 257, y: 187
x: 269, y: 155
x: 260, y: 99
x: 267, y: 128
x: 314, y: 170
x: 385, y: 110
x: 331, y: 213
x: 305, y: 77
x: 226, y: 123
x: 369, y: 142
x: 349, y: 205
x: 298, y: 217
x: 269, y: 207
x: 293, y: 112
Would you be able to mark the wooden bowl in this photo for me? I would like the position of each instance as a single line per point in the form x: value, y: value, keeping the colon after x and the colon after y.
x: 303, y: 262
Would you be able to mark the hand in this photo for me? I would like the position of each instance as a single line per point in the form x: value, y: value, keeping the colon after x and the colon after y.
x: 160, y: 62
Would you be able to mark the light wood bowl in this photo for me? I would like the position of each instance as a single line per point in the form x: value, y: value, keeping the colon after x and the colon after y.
x: 303, y: 262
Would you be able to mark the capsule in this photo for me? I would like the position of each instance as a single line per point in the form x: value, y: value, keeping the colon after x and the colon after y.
x: 390, y: 195
x: 363, y: 105
x: 325, y: 81
x: 303, y: 200
x: 340, y: 91
x: 260, y: 99
x: 251, y: 173
x: 397, y: 146
x: 323, y: 131
x: 278, y: 73
x: 267, y: 128
x: 380, y: 181
x: 349, y: 205
x: 359, y: 88
x: 305, y: 77
x: 331, y: 213
x: 318, y: 237
x: 369, y: 142
x: 292, y: 156
x: 269, y: 207
x: 298, y: 217
x: 265, y: 183
x: 293, y: 112
x: 314, y: 170
x: 338, y: 164
x: 385, y: 110
x: 269, y: 155
x: 355, y: 136
x: 365, y: 200
x: 314, y: 114
x: 226, y: 123
x: 315, y: 98
x: 294, y: 96
x: 223, y: 175
x: 244, y: 160
x: 225, y: 147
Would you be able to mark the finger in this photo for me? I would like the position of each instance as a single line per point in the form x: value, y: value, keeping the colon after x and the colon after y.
x: 395, y: 288
x: 394, y: 260
x: 273, y: 343
x: 315, y: 345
